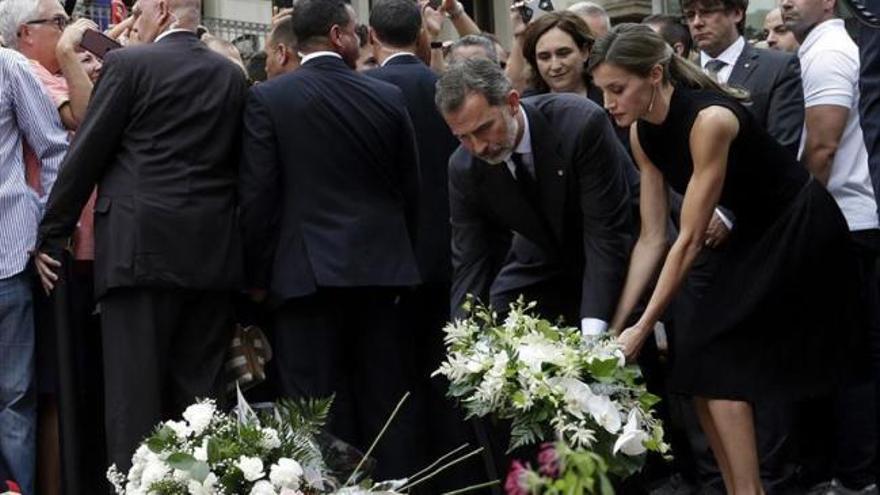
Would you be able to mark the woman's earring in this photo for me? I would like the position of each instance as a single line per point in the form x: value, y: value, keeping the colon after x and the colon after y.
x: 653, y: 95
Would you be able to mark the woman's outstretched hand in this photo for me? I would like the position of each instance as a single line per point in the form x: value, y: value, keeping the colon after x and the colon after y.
x: 632, y: 340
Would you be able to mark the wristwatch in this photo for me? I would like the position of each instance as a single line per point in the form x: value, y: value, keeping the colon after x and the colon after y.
x: 435, y: 45
x: 459, y: 9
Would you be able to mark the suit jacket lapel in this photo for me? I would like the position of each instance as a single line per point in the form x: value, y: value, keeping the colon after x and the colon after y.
x: 744, y: 67
x: 503, y: 195
x: 543, y: 227
x: 549, y: 169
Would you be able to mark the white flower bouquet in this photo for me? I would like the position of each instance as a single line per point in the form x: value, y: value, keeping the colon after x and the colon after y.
x: 242, y: 453
x: 552, y: 384
x: 212, y: 452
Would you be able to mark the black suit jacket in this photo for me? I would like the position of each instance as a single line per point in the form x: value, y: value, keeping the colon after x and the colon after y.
x: 159, y: 139
x: 435, y: 143
x: 773, y: 79
x: 328, y: 182
x: 581, y: 228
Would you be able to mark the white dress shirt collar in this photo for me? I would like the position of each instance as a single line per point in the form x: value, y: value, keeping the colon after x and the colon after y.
x: 729, y: 56
x: 172, y: 31
x: 314, y: 55
x: 524, y: 147
x: 395, y: 55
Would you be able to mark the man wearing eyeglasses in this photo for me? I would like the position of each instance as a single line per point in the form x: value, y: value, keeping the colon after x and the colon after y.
x: 35, y: 28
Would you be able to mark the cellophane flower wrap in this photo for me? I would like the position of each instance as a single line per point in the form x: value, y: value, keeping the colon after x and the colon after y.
x: 552, y: 384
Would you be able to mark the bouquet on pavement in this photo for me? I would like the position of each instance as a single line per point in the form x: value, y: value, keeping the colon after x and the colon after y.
x: 284, y: 452
x: 553, y: 385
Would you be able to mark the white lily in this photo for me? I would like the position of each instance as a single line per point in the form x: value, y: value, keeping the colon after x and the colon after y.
x: 632, y: 441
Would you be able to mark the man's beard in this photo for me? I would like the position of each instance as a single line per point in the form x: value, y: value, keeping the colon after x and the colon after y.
x: 505, y: 152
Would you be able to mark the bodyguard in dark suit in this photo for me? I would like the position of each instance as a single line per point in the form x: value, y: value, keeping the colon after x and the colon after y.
x: 395, y: 29
x: 159, y: 140
x: 329, y: 205
x: 773, y: 80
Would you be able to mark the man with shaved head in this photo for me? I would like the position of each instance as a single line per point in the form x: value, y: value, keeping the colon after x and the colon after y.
x: 160, y: 141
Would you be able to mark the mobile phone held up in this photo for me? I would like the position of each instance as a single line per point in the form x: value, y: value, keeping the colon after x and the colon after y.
x: 532, y: 9
x: 98, y: 43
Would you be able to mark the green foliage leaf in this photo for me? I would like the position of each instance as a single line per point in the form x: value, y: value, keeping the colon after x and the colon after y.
x: 163, y: 439
x: 603, y: 368
x: 181, y: 461
x: 648, y: 401
x: 200, y: 471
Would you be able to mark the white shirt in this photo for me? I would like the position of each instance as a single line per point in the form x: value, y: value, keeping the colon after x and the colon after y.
x: 171, y: 31
x: 729, y: 56
x: 830, y: 73
x: 395, y: 55
x: 589, y: 326
x: 26, y: 114
x: 305, y: 58
x: 524, y: 148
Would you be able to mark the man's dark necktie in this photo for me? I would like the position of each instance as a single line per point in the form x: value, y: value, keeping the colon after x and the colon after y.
x: 527, y: 183
x: 713, y: 67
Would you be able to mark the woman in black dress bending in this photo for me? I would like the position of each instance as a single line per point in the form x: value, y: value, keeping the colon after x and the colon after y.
x: 777, y: 318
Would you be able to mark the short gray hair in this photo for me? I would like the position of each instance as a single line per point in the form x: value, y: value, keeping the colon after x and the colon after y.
x: 471, y: 76
x: 14, y: 13
x: 591, y: 9
x: 474, y: 40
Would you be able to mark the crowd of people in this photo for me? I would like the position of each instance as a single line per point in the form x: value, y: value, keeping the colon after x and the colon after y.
x: 708, y: 199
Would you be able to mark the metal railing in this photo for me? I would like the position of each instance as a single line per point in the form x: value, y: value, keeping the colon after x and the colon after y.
x: 248, y: 37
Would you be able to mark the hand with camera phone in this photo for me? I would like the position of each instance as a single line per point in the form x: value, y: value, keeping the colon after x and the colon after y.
x: 520, y: 17
x: 432, y: 18
x: 98, y: 43
x: 72, y: 36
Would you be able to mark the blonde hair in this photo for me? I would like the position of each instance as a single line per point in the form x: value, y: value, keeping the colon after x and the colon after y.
x: 636, y: 48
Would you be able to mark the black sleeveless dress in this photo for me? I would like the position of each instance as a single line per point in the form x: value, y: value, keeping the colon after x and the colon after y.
x: 779, y: 318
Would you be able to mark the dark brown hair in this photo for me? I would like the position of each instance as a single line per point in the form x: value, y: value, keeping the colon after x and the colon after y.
x: 726, y: 5
x: 569, y: 23
x: 637, y: 49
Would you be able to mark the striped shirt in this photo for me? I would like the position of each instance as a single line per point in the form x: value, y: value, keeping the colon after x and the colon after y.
x: 26, y: 113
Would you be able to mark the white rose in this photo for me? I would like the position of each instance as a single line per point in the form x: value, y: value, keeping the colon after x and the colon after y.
x: 286, y: 474
x: 181, y: 430
x: 632, y: 441
x: 263, y: 487
x: 288, y: 491
x: 251, y: 467
x: 154, y: 471
x: 270, y: 439
x: 199, y: 416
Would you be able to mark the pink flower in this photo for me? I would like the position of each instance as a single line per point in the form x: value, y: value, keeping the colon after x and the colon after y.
x: 515, y: 482
x: 548, y: 461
